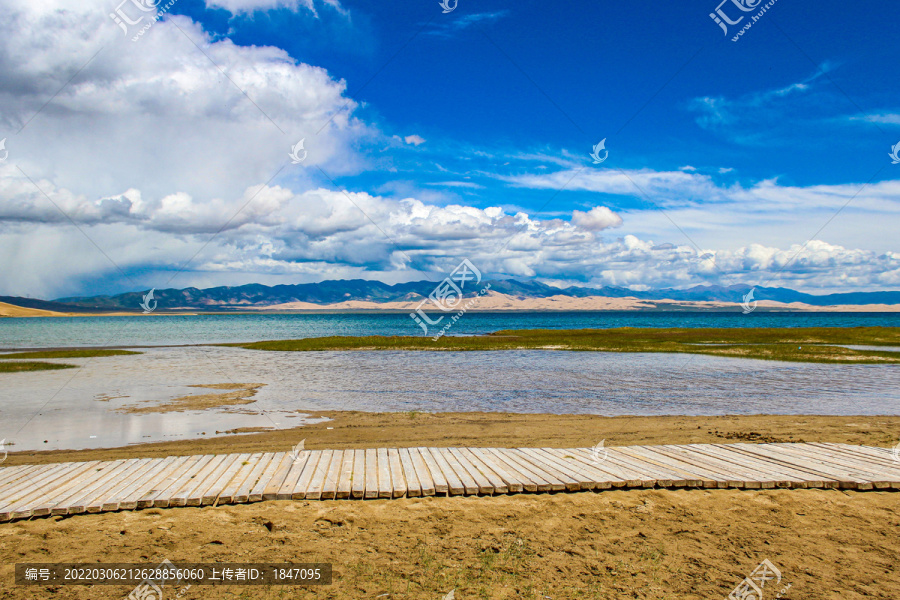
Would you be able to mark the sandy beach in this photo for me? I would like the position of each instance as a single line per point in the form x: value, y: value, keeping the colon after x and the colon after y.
x: 649, y: 544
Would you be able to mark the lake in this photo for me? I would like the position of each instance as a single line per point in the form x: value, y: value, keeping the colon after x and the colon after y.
x: 162, y: 330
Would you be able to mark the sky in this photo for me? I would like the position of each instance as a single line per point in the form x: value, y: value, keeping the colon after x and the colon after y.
x: 162, y: 150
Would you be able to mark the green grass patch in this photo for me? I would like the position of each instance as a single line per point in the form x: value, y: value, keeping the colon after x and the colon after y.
x: 85, y: 353
x: 811, y: 344
x: 31, y: 365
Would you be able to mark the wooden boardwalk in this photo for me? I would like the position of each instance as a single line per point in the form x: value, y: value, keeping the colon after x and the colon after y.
x: 99, y: 486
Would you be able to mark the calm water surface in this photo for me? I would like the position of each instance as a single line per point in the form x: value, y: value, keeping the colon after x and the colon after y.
x: 161, y: 330
x: 69, y: 409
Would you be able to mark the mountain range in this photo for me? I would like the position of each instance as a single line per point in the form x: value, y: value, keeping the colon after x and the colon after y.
x: 252, y: 296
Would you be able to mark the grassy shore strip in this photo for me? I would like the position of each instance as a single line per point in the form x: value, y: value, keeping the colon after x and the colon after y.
x: 85, y: 353
x: 810, y: 344
x: 31, y: 365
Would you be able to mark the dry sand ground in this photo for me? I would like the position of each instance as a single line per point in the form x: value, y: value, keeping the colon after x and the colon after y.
x: 652, y: 544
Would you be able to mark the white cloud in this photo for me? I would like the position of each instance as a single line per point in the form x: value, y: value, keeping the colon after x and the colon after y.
x: 249, y: 6
x: 596, y: 219
x: 152, y: 147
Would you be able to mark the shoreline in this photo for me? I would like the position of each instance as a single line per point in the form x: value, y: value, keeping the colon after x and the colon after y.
x: 356, y: 429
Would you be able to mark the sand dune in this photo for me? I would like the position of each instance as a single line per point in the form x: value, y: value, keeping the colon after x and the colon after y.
x: 498, y: 301
x: 494, y: 301
x: 11, y: 310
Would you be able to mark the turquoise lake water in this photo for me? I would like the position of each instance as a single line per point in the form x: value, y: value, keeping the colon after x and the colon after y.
x: 158, y: 330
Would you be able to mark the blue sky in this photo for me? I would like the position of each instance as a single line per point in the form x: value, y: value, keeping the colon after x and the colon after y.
x: 459, y: 135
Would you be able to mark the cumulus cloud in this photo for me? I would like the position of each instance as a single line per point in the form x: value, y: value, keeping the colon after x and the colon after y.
x: 165, y: 148
x: 596, y: 219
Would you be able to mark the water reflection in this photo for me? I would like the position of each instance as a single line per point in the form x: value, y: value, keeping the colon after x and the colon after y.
x: 67, y: 407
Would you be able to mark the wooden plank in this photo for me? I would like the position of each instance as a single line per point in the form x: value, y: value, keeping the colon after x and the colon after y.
x: 398, y: 483
x: 470, y: 487
x: 128, y: 497
x: 724, y: 474
x: 593, y: 479
x: 260, y: 478
x: 226, y: 495
x: 371, y: 473
x: 810, y: 476
x: 385, y: 489
x: 166, y: 477
x: 885, y: 463
x: 311, y: 469
x: 454, y: 484
x: 10, y: 476
x: 574, y: 468
x: 216, y: 483
x: 549, y: 465
x: 82, y: 484
x: 175, y: 479
x: 618, y: 476
x: 79, y: 501
x: 470, y: 484
x: 345, y: 481
x: 195, y: 478
x: 633, y: 477
x: 747, y: 469
x: 329, y: 489
x: 543, y: 481
x: 292, y: 479
x: 183, y: 477
x: 526, y: 456
x: 663, y: 477
x: 511, y: 482
x: 581, y: 469
x: 854, y: 464
x: 317, y: 484
x: 265, y: 477
x: 495, y: 482
x: 32, y: 503
x: 28, y: 486
x: 484, y: 477
x: 686, y: 475
x: 413, y: 489
x: 846, y: 467
x: 35, y: 480
x: 530, y: 482
x: 816, y: 476
x: 423, y: 473
x: 104, y: 501
x: 358, y: 489
x: 279, y: 485
x: 441, y: 486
